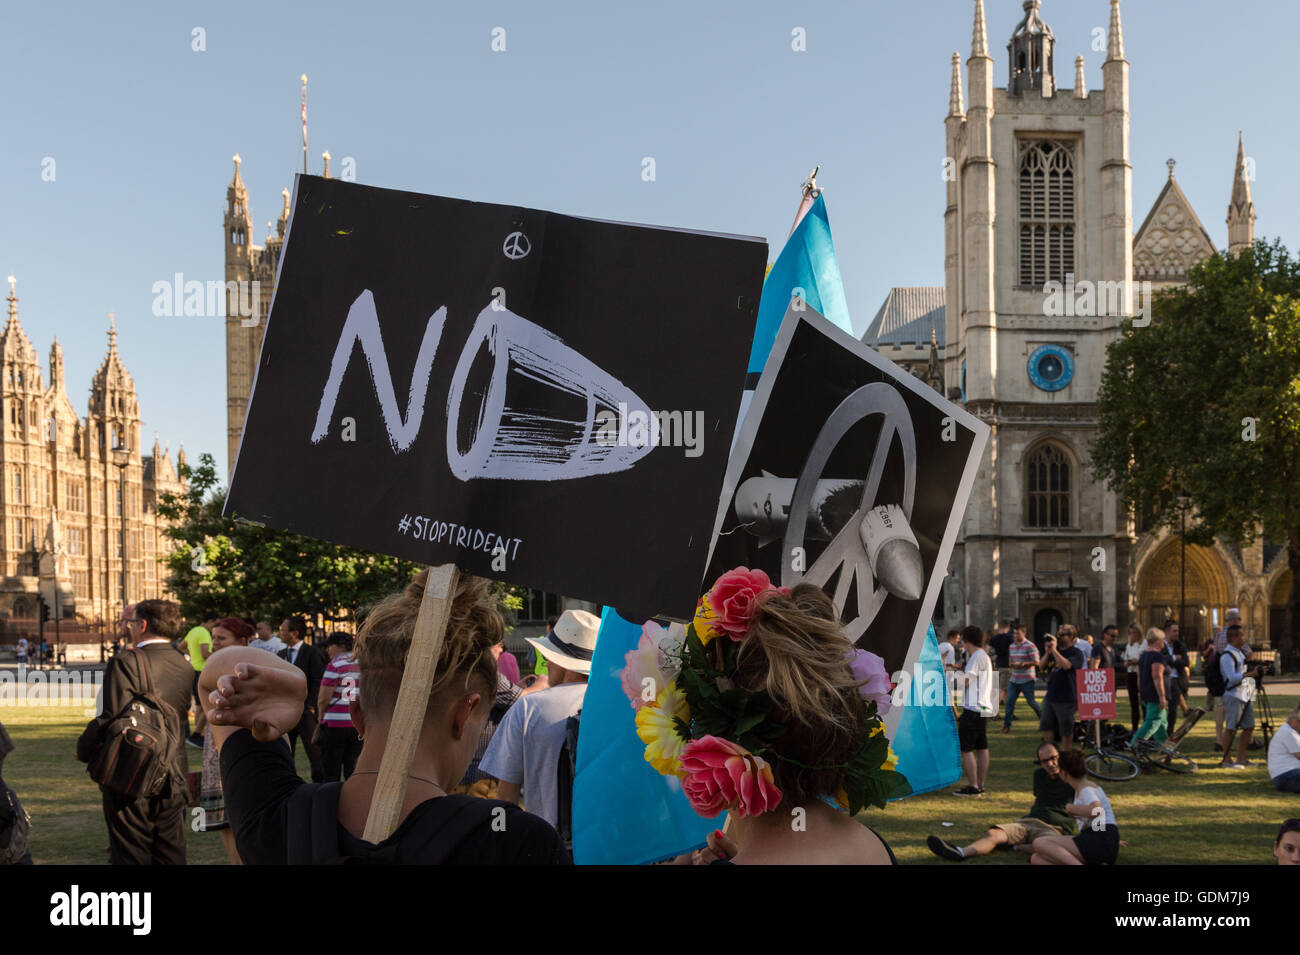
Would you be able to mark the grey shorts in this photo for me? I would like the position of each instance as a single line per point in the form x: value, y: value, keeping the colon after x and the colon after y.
x: 1058, y: 718
x: 1238, y: 715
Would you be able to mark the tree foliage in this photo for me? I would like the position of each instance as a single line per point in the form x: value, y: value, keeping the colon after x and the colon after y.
x: 244, y: 569
x: 1205, y: 401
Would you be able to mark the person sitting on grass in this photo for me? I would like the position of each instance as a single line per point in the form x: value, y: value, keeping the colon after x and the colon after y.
x: 1046, y: 817
x: 255, y: 699
x: 1097, y: 842
x: 1286, y: 847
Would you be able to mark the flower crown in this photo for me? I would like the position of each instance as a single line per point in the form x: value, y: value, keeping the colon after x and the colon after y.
x: 713, y: 735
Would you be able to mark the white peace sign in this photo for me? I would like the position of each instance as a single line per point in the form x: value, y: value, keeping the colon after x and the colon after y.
x: 846, y: 551
x: 516, y: 245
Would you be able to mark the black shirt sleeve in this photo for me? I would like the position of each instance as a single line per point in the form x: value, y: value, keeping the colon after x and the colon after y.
x: 257, y: 780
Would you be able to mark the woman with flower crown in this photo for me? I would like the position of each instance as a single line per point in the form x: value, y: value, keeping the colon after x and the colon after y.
x: 763, y: 708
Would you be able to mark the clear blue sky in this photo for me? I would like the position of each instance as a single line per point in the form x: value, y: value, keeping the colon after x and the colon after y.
x: 142, y: 129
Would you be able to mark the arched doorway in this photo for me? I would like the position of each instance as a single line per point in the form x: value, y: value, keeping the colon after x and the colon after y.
x: 1047, y: 620
x: 24, y: 608
x: 1160, y: 584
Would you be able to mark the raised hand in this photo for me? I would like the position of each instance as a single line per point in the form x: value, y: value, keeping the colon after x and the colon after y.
x: 266, y: 699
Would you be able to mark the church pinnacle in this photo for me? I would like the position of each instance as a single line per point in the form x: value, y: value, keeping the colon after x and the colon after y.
x: 980, y: 35
x: 956, y: 106
x: 1115, y: 37
x: 1241, y: 210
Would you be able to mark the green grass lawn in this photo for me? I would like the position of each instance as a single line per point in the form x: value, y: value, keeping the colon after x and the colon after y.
x: 1213, y: 817
x: 65, y: 806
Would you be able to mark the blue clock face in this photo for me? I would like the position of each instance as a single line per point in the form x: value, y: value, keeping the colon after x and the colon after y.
x: 1051, y: 367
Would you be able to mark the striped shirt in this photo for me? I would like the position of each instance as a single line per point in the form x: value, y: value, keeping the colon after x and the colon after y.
x: 1024, y: 653
x: 341, y: 676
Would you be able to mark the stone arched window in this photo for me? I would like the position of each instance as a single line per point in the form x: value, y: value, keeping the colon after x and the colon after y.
x: 1049, y: 487
x: 1046, y: 192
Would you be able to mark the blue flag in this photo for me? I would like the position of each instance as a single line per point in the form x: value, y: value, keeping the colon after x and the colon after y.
x: 624, y: 812
x: 926, y: 739
x: 807, y: 262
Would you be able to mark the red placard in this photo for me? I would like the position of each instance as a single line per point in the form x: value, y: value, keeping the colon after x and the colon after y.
x: 1096, y: 693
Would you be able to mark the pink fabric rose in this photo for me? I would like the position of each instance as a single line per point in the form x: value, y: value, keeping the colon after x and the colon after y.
x: 872, y: 678
x: 645, y: 662
x: 721, y: 775
x: 735, y: 597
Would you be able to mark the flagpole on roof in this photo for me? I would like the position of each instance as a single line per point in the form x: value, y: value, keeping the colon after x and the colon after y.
x: 810, y: 193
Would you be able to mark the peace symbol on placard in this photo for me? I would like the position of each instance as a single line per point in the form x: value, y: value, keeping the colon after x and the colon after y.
x: 516, y: 245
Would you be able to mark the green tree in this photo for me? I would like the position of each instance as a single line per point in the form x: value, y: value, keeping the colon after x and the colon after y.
x: 1205, y: 401
x: 248, y: 570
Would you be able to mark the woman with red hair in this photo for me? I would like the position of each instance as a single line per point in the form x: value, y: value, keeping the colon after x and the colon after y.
x: 226, y: 632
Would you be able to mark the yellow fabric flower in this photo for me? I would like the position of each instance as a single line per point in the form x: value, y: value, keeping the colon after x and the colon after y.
x: 890, y: 761
x: 705, y: 621
x: 654, y: 726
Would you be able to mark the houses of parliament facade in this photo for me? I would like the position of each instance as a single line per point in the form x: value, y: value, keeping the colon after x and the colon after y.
x: 61, y: 474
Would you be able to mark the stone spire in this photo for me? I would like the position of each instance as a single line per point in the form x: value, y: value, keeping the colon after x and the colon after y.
x: 1241, y: 210
x: 283, y: 223
x: 12, y: 298
x: 15, y: 346
x: 1030, y: 55
x: 1115, y: 39
x: 56, y: 367
x: 956, y: 104
x: 1080, y: 84
x: 326, y: 156
x: 979, y: 44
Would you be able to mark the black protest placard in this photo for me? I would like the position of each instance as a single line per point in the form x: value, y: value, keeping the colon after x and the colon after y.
x: 535, y: 397
x: 850, y: 473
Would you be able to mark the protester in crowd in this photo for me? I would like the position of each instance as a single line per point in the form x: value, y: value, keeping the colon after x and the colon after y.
x: 1284, y: 754
x: 1212, y: 653
x: 1060, y: 702
x: 1238, y: 697
x: 1023, y: 656
x: 507, y: 665
x: 1286, y: 847
x: 1046, y: 817
x: 198, y: 647
x: 266, y: 639
x: 226, y: 632
x: 256, y: 699
x: 21, y: 649
x: 999, y: 646
x: 792, y: 648
x: 1105, y: 656
x: 977, y: 707
x: 1084, y: 643
x: 948, y: 650
x: 147, y: 830
x: 339, y: 744
x: 1178, y: 662
x: 1133, y: 650
x: 525, y: 750
x: 311, y: 661
x: 1097, y: 841
x: 1152, y: 665
x: 14, y: 820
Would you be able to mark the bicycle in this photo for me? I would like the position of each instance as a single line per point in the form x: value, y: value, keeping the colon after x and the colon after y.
x: 1166, y: 755
x: 1105, y: 763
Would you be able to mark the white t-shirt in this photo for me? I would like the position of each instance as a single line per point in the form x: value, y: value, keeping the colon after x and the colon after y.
x: 273, y: 645
x: 1282, y: 751
x: 526, y: 746
x: 1231, y: 663
x: 947, y: 653
x: 1087, y: 796
x: 979, y: 683
x: 1131, y: 653
x: 22, y: 646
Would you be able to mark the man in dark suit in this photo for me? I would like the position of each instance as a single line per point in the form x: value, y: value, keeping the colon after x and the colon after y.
x: 312, y: 663
x: 150, y: 830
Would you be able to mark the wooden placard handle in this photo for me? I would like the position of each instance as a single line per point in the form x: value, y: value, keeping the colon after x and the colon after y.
x: 412, y: 701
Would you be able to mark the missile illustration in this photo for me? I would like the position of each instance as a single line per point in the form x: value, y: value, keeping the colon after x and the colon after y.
x: 763, y: 506
x: 892, y: 552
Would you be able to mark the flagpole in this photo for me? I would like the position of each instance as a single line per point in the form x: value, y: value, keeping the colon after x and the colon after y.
x: 304, y: 124
x: 810, y: 193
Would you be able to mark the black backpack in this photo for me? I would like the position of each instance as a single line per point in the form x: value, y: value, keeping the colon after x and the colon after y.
x: 1214, y: 681
x: 133, y: 753
x: 565, y: 773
